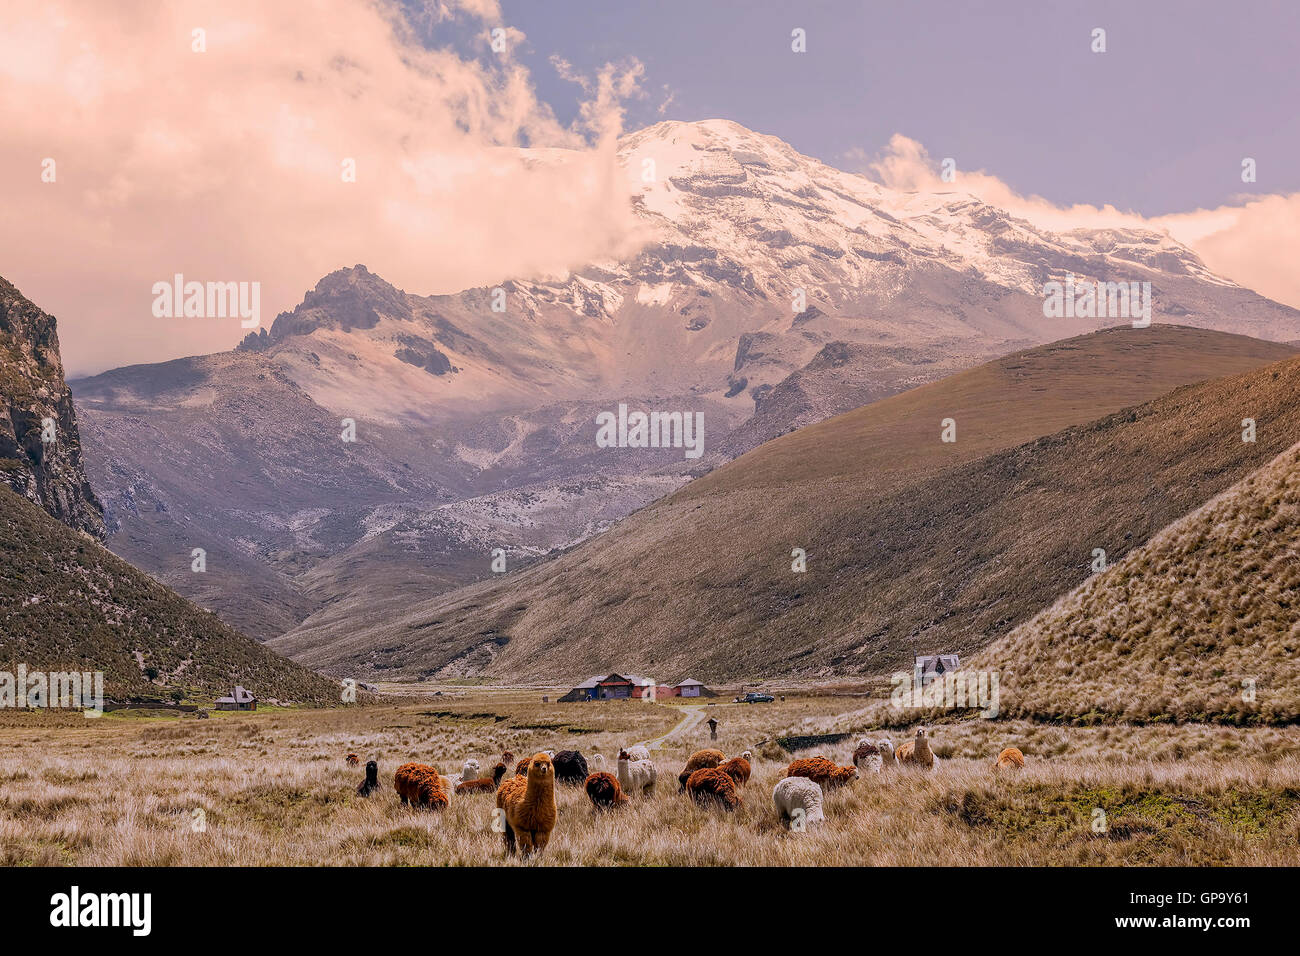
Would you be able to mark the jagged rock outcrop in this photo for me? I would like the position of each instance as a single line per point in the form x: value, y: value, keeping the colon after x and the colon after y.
x: 40, y: 448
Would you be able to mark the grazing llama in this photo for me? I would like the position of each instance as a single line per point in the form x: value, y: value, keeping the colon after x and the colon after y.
x: 570, y: 768
x: 699, y: 760
x: 709, y: 786
x: 1010, y: 759
x: 822, y: 771
x: 604, y: 791
x: 421, y: 785
x: 798, y: 802
x: 737, y: 768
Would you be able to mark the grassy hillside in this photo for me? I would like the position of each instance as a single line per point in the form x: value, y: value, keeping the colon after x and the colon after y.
x: 1177, y: 626
x: 67, y: 603
x: 912, y: 544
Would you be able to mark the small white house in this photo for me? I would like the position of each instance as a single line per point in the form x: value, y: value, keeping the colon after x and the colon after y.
x: 930, y: 666
x: 239, y: 700
x: 689, y: 688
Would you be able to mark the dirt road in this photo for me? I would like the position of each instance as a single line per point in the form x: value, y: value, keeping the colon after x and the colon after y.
x: 690, y: 720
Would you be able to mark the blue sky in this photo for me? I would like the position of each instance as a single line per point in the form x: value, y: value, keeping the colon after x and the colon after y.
x: 1157, y: 124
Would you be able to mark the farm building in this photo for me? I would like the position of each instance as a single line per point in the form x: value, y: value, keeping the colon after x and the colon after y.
x: 610, y: 687
x: 688, y: 688
x: 613, y: 687
x: 584, y: 691
x: 239, y: 700
x: 930, y: 666
x: 622, y: 687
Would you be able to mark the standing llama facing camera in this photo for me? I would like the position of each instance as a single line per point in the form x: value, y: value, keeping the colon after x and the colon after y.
x: 371, y: 783
x: 528, y: 807
x: 916, y: 752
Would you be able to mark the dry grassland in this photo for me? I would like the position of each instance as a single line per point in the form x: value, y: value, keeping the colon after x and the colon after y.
x: 273, y: 789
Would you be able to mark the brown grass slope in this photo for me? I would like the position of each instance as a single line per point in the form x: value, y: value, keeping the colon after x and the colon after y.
x: 1182, y: 626
x: 68, y: 603
x: 912, y: 544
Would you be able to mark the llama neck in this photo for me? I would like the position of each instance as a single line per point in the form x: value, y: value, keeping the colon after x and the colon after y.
x: 536, y: 790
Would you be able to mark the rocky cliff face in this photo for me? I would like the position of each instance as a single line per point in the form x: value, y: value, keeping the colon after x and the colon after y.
x: 40, y: 448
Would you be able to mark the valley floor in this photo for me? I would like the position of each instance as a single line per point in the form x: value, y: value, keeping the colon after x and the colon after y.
x: 272, y: 788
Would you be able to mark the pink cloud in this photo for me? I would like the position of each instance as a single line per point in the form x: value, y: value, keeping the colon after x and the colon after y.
x: 1255, y: 243
x: 228, y: 164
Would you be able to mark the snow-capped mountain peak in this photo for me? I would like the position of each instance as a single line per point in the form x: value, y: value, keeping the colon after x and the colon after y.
x: 757, y: 258
x: 717, y: 184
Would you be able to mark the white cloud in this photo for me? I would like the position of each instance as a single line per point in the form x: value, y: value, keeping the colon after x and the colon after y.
x: 226, y: 165
x: 1255, y: 242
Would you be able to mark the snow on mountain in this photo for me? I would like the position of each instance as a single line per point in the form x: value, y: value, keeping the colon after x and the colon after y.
x: 720, y: 185
x: 755, y: 258
x: 769, y: 291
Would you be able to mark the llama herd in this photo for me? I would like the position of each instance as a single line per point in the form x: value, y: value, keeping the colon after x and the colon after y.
x: 525, y: 811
